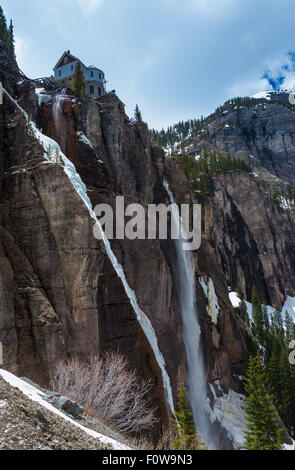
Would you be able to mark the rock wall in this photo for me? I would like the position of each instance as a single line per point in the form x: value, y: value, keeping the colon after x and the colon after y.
x: 59, y: 293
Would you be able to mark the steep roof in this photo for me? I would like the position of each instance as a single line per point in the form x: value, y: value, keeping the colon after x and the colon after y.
x: 67, y: 53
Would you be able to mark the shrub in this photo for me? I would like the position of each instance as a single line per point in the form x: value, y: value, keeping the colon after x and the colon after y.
x: 110, y: 388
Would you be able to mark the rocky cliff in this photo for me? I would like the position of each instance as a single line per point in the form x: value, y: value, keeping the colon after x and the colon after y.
x: 252, y: 233
x: 60, y: 294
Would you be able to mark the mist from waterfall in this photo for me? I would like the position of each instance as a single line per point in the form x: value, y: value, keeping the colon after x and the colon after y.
x: 184, y: 274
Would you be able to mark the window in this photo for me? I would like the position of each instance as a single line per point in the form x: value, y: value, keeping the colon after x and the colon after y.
x: 92, y: 74
x: 91, y: 90
x: 72, y: 68
x: 99, y: 91
x: 66, y: 60
x: 100, y: 76
x: 59, y: 73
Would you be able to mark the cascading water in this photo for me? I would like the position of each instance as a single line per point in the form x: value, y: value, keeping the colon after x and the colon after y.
x: 58, y: 118
x: 80, y: 188
x: 184, y: 274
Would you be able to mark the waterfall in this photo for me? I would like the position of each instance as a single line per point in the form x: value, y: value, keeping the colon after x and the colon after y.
x: 184, y: 274
x: 80, y: 188
x: 58, y: 118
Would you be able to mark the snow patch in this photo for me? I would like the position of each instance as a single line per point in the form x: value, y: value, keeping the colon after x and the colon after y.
x: 213, y: 305
x: 213, y: 308
x: 42, y: 96
x: 289, y: 307
x: 290, y: 447
x: 203, y: 285
x: 235, y: 299
x: 84, y: 139
x: 227, y: 410
x: 37, y: 396
x: 262, y: 95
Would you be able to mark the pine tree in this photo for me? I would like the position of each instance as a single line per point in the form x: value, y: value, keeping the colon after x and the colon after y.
x: 186, y: 436
x: 263, y: 431
x: 78, y: 86
x: 3, y: 27
x: 257, y: 314
x: 11, y: 40
x: 137, y: 114
x: 286, y: 386
x: 289, y: 328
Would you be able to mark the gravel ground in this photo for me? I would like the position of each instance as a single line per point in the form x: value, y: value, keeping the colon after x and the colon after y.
x: 25, y: 425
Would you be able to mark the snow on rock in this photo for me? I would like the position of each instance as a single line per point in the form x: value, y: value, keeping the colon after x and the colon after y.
x: 249, y: 307
x: 213, y: 305
x: 50, y: 145
x: 235, y: 299
x: 289, y: 307
x: 228, y: 411
x: 213, y: 308
x: 203, y: 285
x: 37, y: 396
x: 262, y: 95
x: 42, y: 96
x: 84, y: 139
x: 289, y: 447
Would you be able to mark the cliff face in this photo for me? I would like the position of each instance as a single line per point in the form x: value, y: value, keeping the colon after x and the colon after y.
x: 59, y: 292
x: 265, y: 131
x: 251, y: 235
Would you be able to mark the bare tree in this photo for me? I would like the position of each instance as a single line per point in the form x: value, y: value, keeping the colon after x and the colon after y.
x: 108, y: 386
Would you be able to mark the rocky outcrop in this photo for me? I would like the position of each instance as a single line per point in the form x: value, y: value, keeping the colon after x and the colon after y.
x: 224, y: 335
x: 59, y: 292
x: 263, y: 134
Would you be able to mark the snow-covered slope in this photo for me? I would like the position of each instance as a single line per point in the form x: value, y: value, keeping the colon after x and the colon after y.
x: 39, y: 397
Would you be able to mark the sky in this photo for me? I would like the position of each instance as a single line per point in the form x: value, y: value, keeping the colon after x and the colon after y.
x: 177, y: 59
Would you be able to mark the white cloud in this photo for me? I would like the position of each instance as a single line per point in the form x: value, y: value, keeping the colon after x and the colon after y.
x: 248, y: 87
x: 89, y: 7
x: 214, y: 8
x: 283, y: 65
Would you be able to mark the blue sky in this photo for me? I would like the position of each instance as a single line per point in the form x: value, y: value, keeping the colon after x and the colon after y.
x: 176, y: 59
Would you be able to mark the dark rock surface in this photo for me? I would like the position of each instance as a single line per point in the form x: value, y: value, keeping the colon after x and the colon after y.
x: 59, y: 293
x: 266, y: 132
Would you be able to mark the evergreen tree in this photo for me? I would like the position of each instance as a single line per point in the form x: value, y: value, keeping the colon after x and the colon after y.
x: 285, y: 384
x: 272, y: 369
x: 11, y: 40
x: 3, y: 27
x: 258, y: 314
x: 263, y: 431
x: 289, y: 324
x: 137, y: 114
x: 78, y: 85
x: 186, y: 436
x: 7, y: 34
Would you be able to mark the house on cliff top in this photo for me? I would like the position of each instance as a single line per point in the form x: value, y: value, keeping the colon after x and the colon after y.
x: 94, y: 77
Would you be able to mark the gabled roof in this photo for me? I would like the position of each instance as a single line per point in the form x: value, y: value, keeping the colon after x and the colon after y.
x: 70, y: 55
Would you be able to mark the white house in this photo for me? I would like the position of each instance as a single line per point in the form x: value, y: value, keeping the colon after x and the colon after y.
x: 94, y: 77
